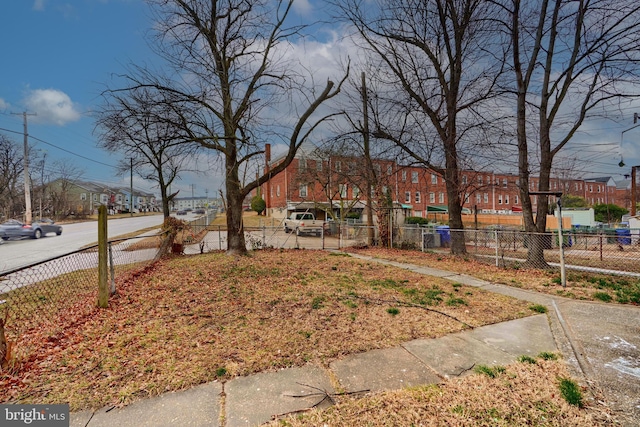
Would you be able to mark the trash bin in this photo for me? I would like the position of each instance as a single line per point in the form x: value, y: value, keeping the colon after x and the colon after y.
x: 445, y: 235
x: 624, y: 236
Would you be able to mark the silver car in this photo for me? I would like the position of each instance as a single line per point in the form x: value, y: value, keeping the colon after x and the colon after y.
x: 38, y: 228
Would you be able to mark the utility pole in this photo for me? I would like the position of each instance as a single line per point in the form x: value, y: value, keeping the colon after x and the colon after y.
x: 131, y: 180
x: 27, y: 181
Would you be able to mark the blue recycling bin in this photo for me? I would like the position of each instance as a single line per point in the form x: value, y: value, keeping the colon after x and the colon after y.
x: 624, y: 236
x: 445, y: 235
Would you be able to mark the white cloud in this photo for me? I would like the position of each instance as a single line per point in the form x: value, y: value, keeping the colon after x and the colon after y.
x: 302, y: 7
x: 38, y: 5
x: 52, y: 106
x: 3, y: 104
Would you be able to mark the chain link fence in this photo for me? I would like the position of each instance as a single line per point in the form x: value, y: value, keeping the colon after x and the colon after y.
x: 42, y: 292
x: 39, y: 292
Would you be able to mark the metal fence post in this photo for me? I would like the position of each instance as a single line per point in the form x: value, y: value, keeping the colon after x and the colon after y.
x: 219, y: 238
x: 497, y: 250
x: 112, y: 289
x: 103, y: 287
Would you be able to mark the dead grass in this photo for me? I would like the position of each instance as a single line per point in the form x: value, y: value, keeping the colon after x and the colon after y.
x: 580, y: 285
x: 525, y: 394
x: 193, y: 319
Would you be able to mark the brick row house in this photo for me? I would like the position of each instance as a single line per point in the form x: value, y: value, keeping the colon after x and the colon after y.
x: 337, y: 184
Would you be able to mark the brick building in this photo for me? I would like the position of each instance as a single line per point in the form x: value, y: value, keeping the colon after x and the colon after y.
x: 338, y: 184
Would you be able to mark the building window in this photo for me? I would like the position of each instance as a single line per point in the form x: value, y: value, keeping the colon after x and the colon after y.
x: 302, y: 163
x: 479, y: 179
x: 499, y: 199
x: 83, y: 196
x: 432, y: 197
x: 319, y: 165
x: 95, y: 197
x: 504, y: 183
x: 355, y: 191
x: 486, y: 198
x: 506, y: 199
x: 119, y: 198
x: 414, y: 177
x: 389, y: 170
x: 303, y: 190
x: 342, y: 189
x: 441, y: 197
x: 404, y: 176
x: 478, y: 198
x: 466, y: 198
x: 338, y: 166
x: 434, y: 178
x: 407, y: 196
x: 278, y: 191
x: 378, y: 169
x: 515, y: 200
x: 417, y: 213
x: 464, y: 179
x: 598, y: 188
x: 591, y: 191
x: 417, y: 197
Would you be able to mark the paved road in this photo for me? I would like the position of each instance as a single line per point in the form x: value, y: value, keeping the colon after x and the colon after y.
x: 17, y: 253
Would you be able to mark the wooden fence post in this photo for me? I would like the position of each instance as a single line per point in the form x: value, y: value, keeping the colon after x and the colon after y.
x: 103, y: 285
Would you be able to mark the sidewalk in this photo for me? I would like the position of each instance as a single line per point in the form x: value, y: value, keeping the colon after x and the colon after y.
x: 600, y: 343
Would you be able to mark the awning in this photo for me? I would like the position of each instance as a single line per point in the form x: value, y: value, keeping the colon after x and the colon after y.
x: 516, y: 209
x: 406, y: 206
x: 438, y: 208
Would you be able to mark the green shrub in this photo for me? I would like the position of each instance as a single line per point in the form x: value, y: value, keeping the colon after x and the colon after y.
x: 416, y: 220
x: 393, y: 311
x: 258, y: 204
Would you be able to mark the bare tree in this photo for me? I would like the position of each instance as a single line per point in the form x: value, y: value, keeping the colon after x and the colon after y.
x: 11, y: 175
x: 439, y: 59
x: 568, y: 58
x: 139, y: 124
x: 64, y: 174
x: 234, y: 87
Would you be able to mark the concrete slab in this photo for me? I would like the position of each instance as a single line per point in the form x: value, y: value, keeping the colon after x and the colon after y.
x: 457, y: 354
x: 253, y: 400
x: 387, y: 369
x: 530, y: 336
x: 196, y: 407
x: 80, y: 419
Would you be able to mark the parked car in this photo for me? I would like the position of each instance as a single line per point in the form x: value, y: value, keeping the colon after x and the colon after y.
x: 181, y: 213
x: 199, y: 212
x: 38, y: 228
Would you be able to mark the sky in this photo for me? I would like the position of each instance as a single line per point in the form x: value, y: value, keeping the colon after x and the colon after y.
x: 57, y: 56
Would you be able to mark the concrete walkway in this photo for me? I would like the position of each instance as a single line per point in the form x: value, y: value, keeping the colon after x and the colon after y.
x: 600, y: 342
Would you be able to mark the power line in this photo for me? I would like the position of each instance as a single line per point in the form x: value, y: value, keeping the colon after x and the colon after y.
x: 60, y: 148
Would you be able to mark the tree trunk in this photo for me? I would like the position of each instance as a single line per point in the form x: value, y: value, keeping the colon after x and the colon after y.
x: 235, y: 227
